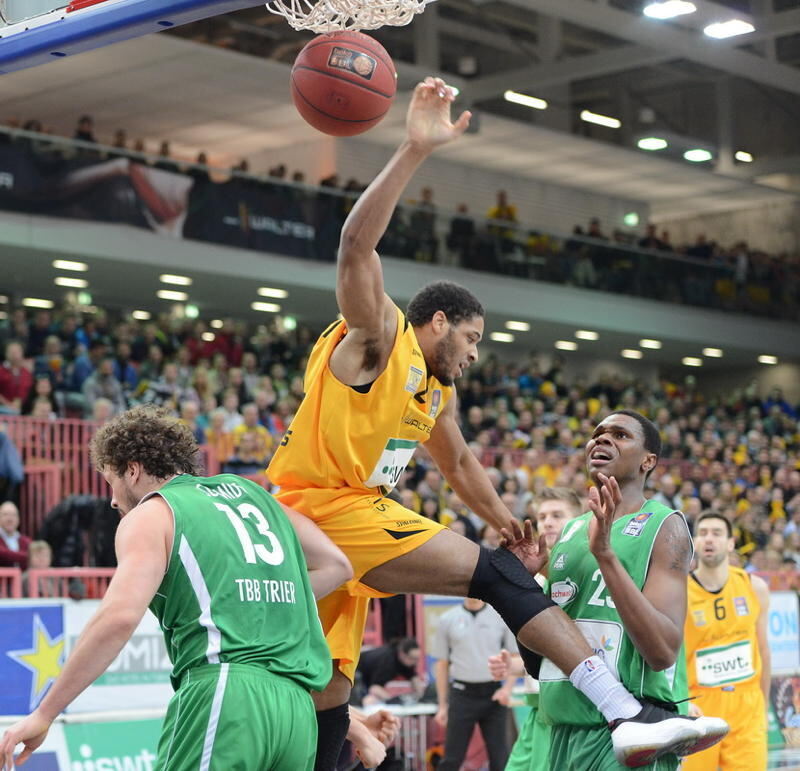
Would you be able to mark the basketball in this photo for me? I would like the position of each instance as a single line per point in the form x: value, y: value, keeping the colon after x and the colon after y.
x: 343, y: 83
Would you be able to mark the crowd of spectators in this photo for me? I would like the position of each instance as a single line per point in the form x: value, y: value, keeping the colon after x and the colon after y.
x: 238, y: 388
x: 735, y: 277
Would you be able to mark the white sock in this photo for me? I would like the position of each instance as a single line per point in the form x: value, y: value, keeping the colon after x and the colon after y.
x: 594, y: 680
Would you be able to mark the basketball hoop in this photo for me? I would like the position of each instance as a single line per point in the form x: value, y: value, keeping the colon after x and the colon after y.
x: 336, y: 15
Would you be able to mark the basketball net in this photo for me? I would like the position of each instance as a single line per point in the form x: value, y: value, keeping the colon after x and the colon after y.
x: 336, y: 15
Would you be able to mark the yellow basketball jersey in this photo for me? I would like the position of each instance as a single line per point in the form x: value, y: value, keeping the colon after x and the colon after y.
x: 344, y: 437
x: 720, y: 634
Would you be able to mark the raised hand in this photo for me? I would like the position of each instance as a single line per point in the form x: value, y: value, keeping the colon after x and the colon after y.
x: 603, y: 501
x: 520, y: 542
x: 500, y: 665
x: 428, y: 122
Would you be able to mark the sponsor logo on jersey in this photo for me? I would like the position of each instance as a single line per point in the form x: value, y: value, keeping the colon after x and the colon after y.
x: 415, y: 422
x: 560, y: 562
x: 699, y: 617
x: 740, y: 605
x: 436, y: 400
x: 352, y: 61
x: 606, y: 643
x: 636, y: 525
x: 415, y: 376
x: 724, y: 664
x: 562, y: 592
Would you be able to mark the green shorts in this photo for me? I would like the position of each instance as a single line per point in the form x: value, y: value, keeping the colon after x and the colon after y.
x: 238, y: 717
x: 532, y: 748
x: 589, y: 748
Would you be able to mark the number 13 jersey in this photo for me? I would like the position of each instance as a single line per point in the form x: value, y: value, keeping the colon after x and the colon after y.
x: 354, y: 437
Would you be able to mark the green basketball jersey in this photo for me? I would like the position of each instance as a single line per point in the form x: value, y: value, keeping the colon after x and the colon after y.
x: 576, y: 584
x: 237, y: 589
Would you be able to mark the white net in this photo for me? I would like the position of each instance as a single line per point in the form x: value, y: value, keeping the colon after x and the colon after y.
x: 335, y: 15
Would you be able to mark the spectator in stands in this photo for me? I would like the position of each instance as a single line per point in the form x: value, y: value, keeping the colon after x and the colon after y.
x: 650, y: 240
x: 40, y: 557
x: 120, y: 141
x: 189, y: 413
x: 250, y: 425
x: 13, y: 545
x: 167, y: 392
x: 230, y: 406
x: 102, y: 410
x: 701, y: 249
x: 16, y: 380
x: 461, y: 237
x: 86, y: 362
x: 398, y: 660
x: 248, y: 459
x: 423, y: 227
x: 218, y: 438
x: 42, y: 391
x: 595, y: 231
x: 165, y: 161
x: 102, y: 383
x: 503, y: 212
x: 84, y: 131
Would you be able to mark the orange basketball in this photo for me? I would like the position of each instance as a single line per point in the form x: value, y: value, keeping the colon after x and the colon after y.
x: 343, y: 83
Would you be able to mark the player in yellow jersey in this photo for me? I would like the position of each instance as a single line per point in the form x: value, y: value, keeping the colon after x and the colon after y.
x: 727, y: 653
x: 378, y: 383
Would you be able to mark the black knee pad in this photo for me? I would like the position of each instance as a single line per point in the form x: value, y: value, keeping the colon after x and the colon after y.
x: 502, y: 580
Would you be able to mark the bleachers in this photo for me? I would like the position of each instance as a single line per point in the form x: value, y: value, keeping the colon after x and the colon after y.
x: 10, y: 583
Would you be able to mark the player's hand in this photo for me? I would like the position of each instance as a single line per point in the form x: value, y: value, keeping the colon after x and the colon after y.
x: 31, y: 731
x: 520, y: 542
x: 383, y: 726
x: 369, y: 750
x: 500, y: 665
x: 441, y: 717
x: 502, y: 696
x: 428, y: 122
x: 603, y: 501
x: 694, y: 710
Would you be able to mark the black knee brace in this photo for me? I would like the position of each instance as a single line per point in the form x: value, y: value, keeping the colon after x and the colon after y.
x: 502, y: 580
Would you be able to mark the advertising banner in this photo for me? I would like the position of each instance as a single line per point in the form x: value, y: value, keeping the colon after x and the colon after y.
x: 784, y: 632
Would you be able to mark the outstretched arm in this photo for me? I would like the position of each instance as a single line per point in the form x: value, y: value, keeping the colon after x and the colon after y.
x: 328, y: 567
x: 762, y: 592
x: 143, y: 540
x: 359, y: 282
x: 463, y: 472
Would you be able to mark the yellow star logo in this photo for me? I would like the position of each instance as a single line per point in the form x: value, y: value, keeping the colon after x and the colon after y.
x: 44, y: 659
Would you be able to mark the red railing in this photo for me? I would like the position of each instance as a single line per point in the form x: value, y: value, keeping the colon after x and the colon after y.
x: 373, y: 632
x: 77, y: 583
x: 10, y: 583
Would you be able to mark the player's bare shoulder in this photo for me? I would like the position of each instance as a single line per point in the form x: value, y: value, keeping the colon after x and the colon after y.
x: 364, y: 351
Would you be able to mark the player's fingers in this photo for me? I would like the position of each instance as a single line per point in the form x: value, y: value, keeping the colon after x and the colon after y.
x: 505, y: 537
x: 528, y: 530
x: 616, y: 493
x: 542, y: 550
x: 462, y: 123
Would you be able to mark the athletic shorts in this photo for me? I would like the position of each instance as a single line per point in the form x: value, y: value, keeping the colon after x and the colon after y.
x: 532, y: 749
x: 238, y: 717
x: 745, y: 747
x: 370, y: 531
x: 589, y: 748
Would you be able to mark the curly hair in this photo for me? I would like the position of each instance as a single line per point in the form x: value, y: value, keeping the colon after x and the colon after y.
x: 456, y: 302
x: 150, y: 436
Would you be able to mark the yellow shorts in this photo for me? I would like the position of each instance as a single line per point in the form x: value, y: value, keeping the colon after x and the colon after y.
x: 370, y: 531
x: 745, y: 747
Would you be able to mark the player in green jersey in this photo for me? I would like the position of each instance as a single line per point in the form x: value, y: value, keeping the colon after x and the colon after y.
x: 620, y: 572
x: 232, y: 577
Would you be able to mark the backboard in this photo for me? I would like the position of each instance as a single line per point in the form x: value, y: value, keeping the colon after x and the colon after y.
x: 86, y: 24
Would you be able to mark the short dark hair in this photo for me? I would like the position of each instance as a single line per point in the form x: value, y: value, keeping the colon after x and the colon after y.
x: 711, y: 514
x: 652, y: 439
x: 150, y: 436
x: 406, y: 644
x: 456, y: 302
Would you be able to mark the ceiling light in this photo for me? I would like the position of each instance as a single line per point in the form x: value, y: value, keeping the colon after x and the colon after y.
x: 216, y: 323
x: 730, y: 28
x: 669, y: 9
x: 651, y: 143
x: 566, y: 345
x: 713, y: 353
x: 502, y: 337
x: 697, y: 155
x: 75, y: 283
x: 208, y: 337
x: 268, y: 291
x: 692, y: 361
x: 84, y: 298
x: 171, y: 278
x: 586, y: 334
x: 631, y: 353
x: 518, y: 326
x: 648, y: 343
x: 266, y: 307
x: 763, y: 359
x: 191, y: 311
x: 600, y: 120
x: 170, y: 294
x: 290, y: 323
x: 37, y: 302
x: 81, y: 267
x: 3, y: 315
x: 141, y: 315
x: 631, y: 219
x: 743, y: 156
x: 3, y: 299
x: 525, y: 100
